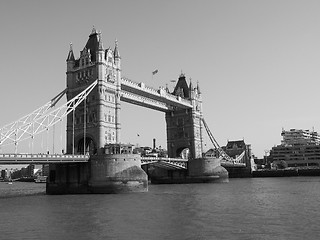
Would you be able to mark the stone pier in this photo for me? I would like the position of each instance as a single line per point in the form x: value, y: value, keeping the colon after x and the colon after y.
x: 201, y: 170
x: 109, y: 173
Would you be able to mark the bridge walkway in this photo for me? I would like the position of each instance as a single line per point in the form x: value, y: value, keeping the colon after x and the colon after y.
x: 160, y: 100
x: 41, y: 158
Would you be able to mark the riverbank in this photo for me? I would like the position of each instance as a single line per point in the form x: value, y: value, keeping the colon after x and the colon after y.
x: 288, y: 172
x: 19, y: 189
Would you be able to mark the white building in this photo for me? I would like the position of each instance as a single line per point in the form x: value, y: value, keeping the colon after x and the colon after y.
x: 299, y: 137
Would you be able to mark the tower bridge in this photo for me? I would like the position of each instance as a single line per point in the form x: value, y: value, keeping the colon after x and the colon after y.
x: 95, y: 159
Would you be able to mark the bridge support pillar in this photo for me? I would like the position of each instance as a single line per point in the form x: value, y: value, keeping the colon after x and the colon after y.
x: 200, y: 170
x: 106, y: 173
x: 117, y: 173
x: 237, y: 172
x: 207, y: 170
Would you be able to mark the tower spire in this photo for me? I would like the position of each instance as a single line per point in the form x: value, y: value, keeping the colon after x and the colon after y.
x: 70, y: 54
x: 116, y: 51
x: 94, y: 31
x: 100, y: 44
x: 191, y: 89
x: 191, y: 85
x: 198, y: 88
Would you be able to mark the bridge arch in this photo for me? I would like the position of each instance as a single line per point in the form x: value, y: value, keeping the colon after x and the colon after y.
x: 91, y: 146
x: 183, y: 152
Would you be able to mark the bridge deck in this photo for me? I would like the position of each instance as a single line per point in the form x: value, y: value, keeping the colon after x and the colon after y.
x: 178, y: 163
x: 172, y: 163
x: 138, y: 93
x: 168, y: 163
x: 41, y: 158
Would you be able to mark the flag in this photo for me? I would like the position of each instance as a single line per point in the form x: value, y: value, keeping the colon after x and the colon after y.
x: 155, y: 72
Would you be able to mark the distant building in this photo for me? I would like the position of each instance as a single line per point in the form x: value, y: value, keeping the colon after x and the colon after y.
x: 3, y: 174
x: 30, y: 170
x: 45, y: 170
x: 299, y: 137
x: 6, y: 173
x: 234, y: 149
x: 298, y: 148
x: 118, y: 148
x: 149, y: 152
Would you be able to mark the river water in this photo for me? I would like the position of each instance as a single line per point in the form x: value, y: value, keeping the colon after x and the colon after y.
x: 249, y: 208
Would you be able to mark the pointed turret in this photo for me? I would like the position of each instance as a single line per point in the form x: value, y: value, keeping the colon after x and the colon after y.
x: 116, y: 51
x: 70, y: 55
x: 100, y: 50
x: 198, y: 88
x: 93, y: 44
x: 94, y: 31
x: 117, y: 63
x: 191, y: 85
x: 116, y: 55
x: 70, y: 59
x: 182, y: 88
x: 71, y: 62
x: 100, y: 43
x: 191, y: 89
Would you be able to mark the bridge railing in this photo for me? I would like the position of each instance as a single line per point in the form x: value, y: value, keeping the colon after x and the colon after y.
x: 164, y: 159
x: 173, y: 162
x: 184, y: 162
x: 139, y: 86
x: 141, y: 99
x: 41, y: 157
x: 177, y: 98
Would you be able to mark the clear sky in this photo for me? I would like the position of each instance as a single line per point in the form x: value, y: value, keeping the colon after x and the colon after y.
x: 257, y: 62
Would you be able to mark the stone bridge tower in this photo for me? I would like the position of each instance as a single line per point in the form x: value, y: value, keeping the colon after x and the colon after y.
x: 94, y: 128
x: 97, y: 121
x: 184, y: 126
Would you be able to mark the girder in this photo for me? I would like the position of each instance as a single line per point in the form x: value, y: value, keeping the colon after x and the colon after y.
x: 178, y: 163
x: 42, y: 122
x: 32, y: 116
x: 164, y: 100
x: 172, y: 163
x: 144, y: 101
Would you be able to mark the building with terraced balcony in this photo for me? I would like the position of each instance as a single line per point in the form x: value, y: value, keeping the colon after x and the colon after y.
x: 298, y: 148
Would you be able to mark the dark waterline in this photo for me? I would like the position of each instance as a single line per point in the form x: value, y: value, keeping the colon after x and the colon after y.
x: 259, y: 208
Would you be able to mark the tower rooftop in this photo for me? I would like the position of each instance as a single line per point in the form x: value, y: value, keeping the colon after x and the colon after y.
x: 93, y: 44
